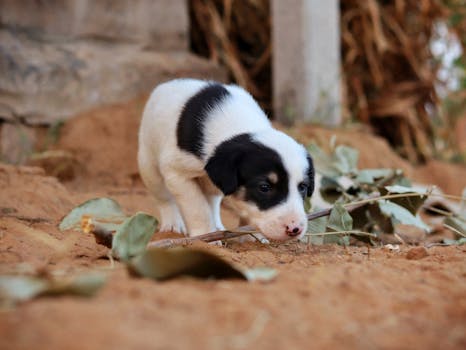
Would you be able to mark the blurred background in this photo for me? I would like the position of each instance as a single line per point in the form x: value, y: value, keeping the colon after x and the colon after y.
x: 394, y: 68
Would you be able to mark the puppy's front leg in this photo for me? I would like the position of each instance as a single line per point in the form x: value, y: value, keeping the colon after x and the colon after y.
x: 192, y: 203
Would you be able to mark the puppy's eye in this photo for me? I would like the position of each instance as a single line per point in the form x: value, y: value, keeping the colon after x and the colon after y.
x: 264, y: 187
x: 302, y: 187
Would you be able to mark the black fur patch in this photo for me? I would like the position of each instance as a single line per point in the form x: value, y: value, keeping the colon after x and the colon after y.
x: 310, y: 175
x: 242, y: 162
x: 190, y: 129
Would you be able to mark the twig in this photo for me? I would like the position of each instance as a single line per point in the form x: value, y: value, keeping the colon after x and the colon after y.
x: 437, y: 210
x: 101, y: 234
x: 207, y: 237
x: 353, y: 232
x: 454, y: 230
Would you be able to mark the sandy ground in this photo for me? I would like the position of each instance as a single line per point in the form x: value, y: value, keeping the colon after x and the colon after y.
x: 325, y: 297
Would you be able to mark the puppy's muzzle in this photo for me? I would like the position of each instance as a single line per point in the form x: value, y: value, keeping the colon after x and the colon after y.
x: 293, y: 229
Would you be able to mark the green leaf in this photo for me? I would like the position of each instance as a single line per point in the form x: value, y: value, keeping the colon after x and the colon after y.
x: 463, y: 204
x: 83, y: 285
x: 318, y: 225
x: 21, y: 288
x: 339, y: 238
x: 322, y: 162
x: 412, y: 203
x: 330, y: 189
x: 340, y: 219
x: 345, y: 159
x: 405, y: 189
x: 133, y: 235
x: 369, y: 176
x: 163, y: 264
x: 97, y: 207
x: 401, y: 215
x: 369, y: 218
x: 460, y: 241
x: 457, y: 223
x: 261, y: 274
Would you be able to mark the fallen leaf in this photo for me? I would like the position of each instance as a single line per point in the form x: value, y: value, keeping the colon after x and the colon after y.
x: 323, y: 162
x: 401, y: 215
x: 406, y: 189
x: 340, y: 219
x: 345, y: 159
x: 163, y: 264
x: 412, y: 203
x: 460, y: 241
x: 457, y: 223
x: 21, y: 288
x: 103, y: 208
x: 83, y: 285
x: 369, y: 176
x: 132, y: 236
x: 318, y: 225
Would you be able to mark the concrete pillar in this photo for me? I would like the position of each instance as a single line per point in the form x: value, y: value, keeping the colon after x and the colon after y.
x: 306, y: 61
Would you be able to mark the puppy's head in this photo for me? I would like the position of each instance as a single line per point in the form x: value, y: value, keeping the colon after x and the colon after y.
x: 267, y: 176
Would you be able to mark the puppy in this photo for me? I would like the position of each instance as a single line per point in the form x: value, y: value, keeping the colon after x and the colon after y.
x: 200, y: 141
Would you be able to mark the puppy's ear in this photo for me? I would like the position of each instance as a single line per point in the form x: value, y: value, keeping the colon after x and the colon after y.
x: 311, y: 175
x: 222, y: 168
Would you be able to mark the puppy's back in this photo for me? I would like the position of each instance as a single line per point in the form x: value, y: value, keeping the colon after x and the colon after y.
x: 164, y: 107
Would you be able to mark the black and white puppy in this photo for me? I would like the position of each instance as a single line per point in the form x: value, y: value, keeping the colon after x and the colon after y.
x: 200, y: 141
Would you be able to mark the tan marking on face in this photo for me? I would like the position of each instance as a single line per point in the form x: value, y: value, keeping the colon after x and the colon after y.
x: 240, y: 194
x: 273, y: 178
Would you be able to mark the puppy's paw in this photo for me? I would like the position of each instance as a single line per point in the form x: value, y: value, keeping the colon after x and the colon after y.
x: 177, y: 227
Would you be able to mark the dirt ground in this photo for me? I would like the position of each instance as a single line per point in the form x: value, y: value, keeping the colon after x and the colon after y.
x: 325, y: 297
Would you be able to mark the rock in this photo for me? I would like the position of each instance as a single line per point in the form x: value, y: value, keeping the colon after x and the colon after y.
x: 417, y: 253
x: 46, y: 82
x: 58, y: 163
x: 27, y: 192
x: 161, y: 24
x: 17, y: 143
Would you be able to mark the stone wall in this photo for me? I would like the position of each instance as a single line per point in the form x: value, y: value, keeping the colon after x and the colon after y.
x: 59, y: 58
x: 160, y: 24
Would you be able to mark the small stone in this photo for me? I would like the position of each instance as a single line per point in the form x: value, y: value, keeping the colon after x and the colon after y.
x: 16, y: 143
x: 417, y: 253
x: 57, y: 163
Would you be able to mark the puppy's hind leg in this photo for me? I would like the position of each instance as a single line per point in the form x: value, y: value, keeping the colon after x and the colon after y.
x: 168, y: 212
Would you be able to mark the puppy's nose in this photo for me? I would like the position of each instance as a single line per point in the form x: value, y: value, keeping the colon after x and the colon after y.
x: 293, y: 231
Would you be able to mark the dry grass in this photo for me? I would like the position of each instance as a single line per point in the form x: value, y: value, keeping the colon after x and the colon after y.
x: 388, y: 69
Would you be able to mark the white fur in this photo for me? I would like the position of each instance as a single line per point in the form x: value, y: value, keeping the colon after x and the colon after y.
x: 187, y: 200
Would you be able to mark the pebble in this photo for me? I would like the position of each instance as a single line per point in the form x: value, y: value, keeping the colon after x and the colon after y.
x: 417, y: 253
